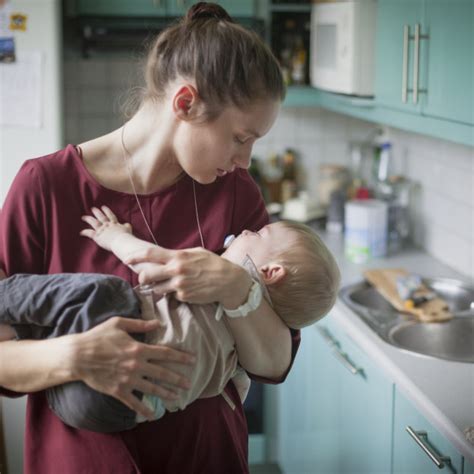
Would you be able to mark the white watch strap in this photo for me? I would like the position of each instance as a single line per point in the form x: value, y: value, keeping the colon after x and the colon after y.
x: 253, y: 302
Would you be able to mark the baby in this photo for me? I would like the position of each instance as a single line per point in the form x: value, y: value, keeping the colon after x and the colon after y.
x: 288, y: 262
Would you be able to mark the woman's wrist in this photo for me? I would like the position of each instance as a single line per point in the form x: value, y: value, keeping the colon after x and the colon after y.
x: 238, y: 290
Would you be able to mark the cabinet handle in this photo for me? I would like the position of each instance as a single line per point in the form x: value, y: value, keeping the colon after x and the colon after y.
x: 421, y: 439
x: 416, y: 63
x: 406, y: 36
x: 338, y: 354
x: 343, y: 359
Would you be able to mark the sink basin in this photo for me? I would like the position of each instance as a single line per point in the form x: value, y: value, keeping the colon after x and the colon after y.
x: 451, y: 340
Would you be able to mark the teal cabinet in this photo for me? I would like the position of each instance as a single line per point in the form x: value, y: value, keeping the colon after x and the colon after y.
x: 394, y: 53
x: 468, y: 468
x: 424, y: 61
x: 335, y: 408
x: 449, y: 54
x: 121, y: 7
x: 418, y: 448
x: 296, y: 398
x: 153, y: 7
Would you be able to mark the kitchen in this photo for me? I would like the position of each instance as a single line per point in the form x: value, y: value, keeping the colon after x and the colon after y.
x: 431, y: 147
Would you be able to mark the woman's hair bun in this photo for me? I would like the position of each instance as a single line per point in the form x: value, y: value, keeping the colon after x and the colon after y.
x: 205, y: 10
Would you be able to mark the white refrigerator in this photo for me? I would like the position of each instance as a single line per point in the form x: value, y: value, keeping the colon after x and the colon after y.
x: 31, y: 125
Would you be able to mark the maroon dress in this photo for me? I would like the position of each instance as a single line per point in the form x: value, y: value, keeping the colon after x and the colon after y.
x: 39, y: 233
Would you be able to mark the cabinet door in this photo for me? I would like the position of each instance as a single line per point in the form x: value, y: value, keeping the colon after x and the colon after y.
x: 392, y: 17
x: 408, y: 456
x: 450, y: 26
x: 122, y: 7
x: 364, y: 410
x: 334, y: 420
x: 296, y: 399
x: 468, y: 467
x: 242, y: 8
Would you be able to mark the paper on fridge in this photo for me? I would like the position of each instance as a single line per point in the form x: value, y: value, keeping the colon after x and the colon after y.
x: 21, y: 90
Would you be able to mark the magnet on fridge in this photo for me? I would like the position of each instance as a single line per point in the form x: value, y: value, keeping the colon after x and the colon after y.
x: 7, y: 50
x: 18, y: 21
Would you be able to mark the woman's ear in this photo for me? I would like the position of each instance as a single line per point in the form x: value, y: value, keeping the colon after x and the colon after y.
x: 185, y: 102
x: 272, y: 273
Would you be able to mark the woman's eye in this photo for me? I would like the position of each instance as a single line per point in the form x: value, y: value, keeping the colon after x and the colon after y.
x: 239, y: 140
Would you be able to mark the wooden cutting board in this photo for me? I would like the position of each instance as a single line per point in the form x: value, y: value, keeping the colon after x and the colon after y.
x: 385, y: 281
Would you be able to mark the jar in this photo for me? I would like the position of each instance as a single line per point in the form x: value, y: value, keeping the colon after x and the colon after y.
x: 331, y: 178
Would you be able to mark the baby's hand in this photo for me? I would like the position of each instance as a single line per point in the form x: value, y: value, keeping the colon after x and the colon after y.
x: 105, y: 227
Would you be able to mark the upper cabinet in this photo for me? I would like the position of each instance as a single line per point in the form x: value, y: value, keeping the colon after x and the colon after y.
x: 152, y: 7
x: 424, y: 60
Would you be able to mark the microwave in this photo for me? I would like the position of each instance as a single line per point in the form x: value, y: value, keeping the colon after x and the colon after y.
x: 342, y: 47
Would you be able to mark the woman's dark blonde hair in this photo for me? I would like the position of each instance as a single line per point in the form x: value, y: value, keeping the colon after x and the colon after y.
x: 229, y: 64
x: 309, y: 289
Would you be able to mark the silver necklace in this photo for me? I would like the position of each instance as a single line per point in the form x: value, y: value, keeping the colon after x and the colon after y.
x: 130, y: 171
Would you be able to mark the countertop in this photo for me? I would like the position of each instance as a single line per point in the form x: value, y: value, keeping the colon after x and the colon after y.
x: 443, y: 391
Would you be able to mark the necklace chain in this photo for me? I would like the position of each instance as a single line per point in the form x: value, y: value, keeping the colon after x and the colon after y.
x: 130, y: 176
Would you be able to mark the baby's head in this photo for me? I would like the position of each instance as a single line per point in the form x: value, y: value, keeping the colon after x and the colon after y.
x: 299, y: 271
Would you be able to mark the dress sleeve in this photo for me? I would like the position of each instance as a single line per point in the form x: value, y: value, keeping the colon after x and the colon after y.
x: 22, y: 236
x: 250, y: 213
x: 22, y: 224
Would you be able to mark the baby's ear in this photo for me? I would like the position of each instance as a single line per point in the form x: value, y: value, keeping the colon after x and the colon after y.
x: 272, y: 273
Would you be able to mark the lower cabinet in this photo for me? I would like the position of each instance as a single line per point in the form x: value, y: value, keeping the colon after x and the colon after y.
x: 338, y: 414
x: 468, y: 468
x: 338, y: 409
x: 418, y: 448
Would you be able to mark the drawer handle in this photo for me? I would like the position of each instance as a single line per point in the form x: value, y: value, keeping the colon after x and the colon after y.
x: 338, y: 354
x: 406, y: 36
x: 421, y: 439
x: 344, y: 360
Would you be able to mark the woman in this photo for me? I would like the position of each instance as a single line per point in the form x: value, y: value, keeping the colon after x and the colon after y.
x: 212, y: 88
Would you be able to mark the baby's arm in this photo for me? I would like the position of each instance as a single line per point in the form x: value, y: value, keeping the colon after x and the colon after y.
x: 117, y: 238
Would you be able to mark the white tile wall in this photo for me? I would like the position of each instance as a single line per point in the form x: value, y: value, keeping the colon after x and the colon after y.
x: 443, y: 203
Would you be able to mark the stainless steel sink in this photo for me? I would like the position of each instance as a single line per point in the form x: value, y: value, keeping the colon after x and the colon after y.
x: 451, y: 340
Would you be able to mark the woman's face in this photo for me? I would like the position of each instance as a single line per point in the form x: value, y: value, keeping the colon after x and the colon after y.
x: 208, y: 150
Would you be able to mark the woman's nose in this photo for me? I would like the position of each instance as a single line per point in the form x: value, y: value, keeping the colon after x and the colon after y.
x: 242, y: 160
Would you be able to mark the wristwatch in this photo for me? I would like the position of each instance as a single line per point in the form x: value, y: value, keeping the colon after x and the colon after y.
x: 253, y: 302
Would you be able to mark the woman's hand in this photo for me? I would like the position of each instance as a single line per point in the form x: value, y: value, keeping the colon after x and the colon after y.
x: 110, y: 361
x: 105, y: 227
x: 195, y: 275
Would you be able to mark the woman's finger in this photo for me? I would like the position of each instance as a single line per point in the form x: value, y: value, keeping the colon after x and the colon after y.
x: 151, y: 388
x: 93, y: 222
x: 135, y: 325
x: 158, y: 372
x: 109, y: 214
x: 168, y: 354
x: 99, y: 215
x: 156, y: 273
x: 136, y: 405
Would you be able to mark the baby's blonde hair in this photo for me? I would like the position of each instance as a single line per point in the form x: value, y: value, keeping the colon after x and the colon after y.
x: 310, y: 287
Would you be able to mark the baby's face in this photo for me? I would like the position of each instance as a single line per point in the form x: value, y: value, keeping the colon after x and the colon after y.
x: 260, y: 246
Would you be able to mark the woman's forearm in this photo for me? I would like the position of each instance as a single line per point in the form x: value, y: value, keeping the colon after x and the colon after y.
x: 29, y: 366
x: 263, y: 342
